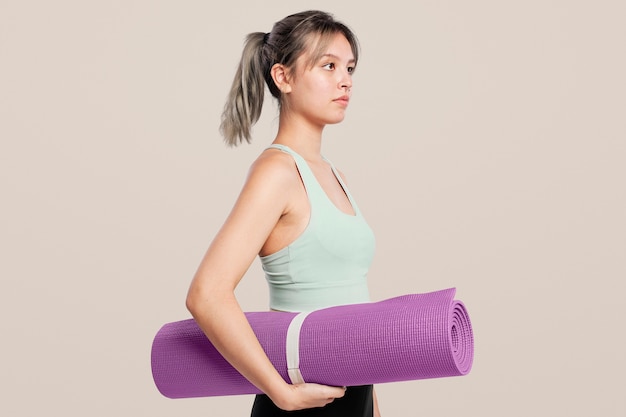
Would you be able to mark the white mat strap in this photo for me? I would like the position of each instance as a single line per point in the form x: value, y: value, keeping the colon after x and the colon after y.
x: 293, y: 348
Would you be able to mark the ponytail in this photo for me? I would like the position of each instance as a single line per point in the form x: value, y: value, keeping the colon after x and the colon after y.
x: 245, y: 99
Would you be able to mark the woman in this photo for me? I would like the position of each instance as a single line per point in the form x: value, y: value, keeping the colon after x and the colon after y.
x: 294, y: 210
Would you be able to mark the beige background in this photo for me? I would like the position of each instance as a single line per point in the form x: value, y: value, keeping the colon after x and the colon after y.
x: 485, y: 143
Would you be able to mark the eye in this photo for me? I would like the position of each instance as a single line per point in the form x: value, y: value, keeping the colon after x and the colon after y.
x: 329, y: 66
x: 351, y: 69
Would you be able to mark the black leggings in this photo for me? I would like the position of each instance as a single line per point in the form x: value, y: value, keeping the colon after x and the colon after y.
x: 357, y: 402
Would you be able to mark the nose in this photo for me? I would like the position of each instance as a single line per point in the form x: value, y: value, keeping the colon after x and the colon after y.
x: 346, y: 81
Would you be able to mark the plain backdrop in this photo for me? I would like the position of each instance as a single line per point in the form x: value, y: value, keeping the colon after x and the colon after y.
x: 485, y: 143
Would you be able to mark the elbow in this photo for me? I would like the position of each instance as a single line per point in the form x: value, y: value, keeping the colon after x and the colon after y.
x: 201, y: 300
x: 190, y: 304
x: 193, y: 301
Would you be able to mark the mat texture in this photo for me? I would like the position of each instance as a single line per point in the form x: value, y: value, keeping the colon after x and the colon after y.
x: 410, y: 337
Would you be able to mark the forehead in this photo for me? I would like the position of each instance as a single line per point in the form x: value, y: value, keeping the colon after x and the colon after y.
x: 335, y: 44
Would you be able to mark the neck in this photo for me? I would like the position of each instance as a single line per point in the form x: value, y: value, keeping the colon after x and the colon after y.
x: 304, y: 138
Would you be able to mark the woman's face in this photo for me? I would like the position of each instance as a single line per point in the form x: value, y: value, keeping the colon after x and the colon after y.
x: 320, y: 93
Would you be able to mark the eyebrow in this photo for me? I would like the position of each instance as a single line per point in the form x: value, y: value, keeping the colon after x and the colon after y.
x: 352, y: 60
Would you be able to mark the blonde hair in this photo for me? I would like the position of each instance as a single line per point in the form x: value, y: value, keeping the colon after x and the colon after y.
x: 288, y: 40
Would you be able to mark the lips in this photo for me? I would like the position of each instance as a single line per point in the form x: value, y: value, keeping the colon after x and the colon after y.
x: 342, y: 100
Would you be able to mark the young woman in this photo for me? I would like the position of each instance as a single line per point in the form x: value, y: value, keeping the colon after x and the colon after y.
x: 294, y: 210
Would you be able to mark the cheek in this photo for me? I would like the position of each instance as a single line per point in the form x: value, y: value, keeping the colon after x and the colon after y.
x: 320, y: 83
x: 323, y: 91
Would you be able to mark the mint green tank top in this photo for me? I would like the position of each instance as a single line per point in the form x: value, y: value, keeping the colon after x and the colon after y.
x: 327, y: 264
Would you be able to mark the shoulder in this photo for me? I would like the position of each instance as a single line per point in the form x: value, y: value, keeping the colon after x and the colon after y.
x: 273, y: 164
x: 273, y: 169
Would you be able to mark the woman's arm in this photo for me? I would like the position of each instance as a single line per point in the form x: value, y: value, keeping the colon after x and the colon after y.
x: 211, y: 299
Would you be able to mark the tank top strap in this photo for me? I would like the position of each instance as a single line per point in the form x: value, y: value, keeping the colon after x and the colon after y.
x: 355, y: 206
x: 313, y: 189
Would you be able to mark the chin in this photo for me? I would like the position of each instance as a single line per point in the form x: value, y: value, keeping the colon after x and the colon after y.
x: 336, y: 120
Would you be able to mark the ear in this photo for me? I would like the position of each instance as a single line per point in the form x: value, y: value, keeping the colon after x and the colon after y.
x: 280, y: 75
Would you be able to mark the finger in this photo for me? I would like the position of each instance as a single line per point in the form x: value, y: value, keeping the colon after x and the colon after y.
x: 338, y: 392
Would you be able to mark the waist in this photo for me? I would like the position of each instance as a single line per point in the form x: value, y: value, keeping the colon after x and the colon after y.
x: 298, y: 297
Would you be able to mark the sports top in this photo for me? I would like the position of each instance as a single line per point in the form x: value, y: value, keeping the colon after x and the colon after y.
x: 327, y: 264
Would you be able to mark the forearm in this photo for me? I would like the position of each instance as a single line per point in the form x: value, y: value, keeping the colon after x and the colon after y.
x: 222, y: 320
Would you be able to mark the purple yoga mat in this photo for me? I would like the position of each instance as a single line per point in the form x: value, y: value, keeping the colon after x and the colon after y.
x: 410, y: 337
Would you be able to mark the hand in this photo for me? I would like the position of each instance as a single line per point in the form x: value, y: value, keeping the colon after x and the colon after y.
x: 301, y: 396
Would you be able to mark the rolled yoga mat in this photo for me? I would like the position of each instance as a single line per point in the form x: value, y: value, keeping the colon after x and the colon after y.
x: 410, y: 337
